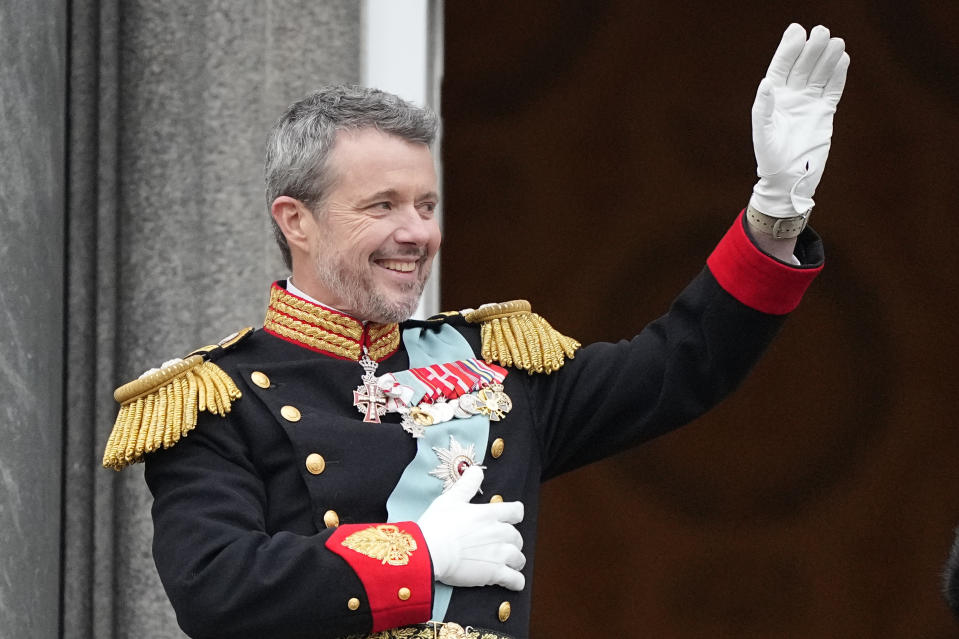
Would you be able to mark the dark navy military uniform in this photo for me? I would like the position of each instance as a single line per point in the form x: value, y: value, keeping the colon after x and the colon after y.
x: 246, y: 504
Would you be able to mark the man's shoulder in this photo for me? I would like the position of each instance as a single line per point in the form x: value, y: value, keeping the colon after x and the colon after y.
x: 511, y: 335
x: 161, y: 405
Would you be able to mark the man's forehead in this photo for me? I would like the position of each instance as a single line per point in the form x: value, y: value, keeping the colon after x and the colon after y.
x: 373, y: 161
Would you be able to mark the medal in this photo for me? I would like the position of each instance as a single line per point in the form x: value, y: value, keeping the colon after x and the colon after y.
x: 368, y: 398
x: 432, y: 394
x: 416, y: 420
x: 490, y: 402
x: 453, y: 462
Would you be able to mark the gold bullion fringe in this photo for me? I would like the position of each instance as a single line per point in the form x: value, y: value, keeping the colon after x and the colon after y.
x: 515, y: 336
x: 159, y: 409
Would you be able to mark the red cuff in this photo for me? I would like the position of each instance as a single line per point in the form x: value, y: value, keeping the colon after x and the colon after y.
x: 756, y: 279
x: 394, y: 565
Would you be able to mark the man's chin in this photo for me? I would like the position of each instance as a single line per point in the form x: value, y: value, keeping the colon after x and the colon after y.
x: 396, y: 309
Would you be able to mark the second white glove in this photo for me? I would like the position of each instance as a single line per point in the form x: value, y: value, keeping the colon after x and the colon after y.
x: 792, y: 119
x: 474, y: 544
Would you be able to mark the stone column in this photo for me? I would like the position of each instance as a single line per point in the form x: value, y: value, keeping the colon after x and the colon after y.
x: 199, y: 86
x: 32, y: 97
x: 138, y: 237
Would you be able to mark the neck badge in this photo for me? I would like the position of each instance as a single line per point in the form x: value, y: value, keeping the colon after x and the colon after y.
x: 368, y: 398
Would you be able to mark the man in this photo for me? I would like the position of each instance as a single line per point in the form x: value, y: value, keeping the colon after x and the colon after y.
x: 349, y: 471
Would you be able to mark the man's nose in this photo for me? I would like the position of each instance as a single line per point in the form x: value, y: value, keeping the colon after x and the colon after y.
x: 414, y: 228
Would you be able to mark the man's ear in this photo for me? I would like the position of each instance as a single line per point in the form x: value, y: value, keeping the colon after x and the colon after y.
x: 295, y: 220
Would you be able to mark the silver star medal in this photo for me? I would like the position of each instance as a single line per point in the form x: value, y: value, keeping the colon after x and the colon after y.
x: 490, y: 401
x: 415, y: 421
x: 453, y: 462
x: 368, y: 398
x: 418, y: 418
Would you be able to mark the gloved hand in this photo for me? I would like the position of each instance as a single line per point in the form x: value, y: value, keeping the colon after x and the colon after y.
x: 792, y: 119
x: 474, y: 544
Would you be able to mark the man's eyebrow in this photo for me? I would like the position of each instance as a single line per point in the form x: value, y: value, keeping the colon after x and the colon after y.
x: 385, y: 194
x: 392, y: 194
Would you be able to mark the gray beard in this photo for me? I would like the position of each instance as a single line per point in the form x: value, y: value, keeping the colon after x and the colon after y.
x: 363, y: 298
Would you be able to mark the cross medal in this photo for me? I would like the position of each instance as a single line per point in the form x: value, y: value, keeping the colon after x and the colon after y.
x: 368, y: 398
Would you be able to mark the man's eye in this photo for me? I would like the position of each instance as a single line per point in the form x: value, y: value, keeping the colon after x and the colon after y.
x: 384, y: 206
x: 427, y: 207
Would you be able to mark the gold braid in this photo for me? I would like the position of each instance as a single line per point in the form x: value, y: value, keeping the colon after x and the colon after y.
x: 512, y: 335
x: 160, y: 408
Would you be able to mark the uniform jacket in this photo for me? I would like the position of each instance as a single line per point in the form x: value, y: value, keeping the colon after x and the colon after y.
x: 248, y: 536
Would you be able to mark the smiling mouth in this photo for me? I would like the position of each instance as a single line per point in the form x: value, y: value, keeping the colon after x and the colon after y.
x: 397, y: 265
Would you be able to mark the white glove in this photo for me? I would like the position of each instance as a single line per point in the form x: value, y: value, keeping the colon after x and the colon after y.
x: 474, y: 544
x: 792, y: 119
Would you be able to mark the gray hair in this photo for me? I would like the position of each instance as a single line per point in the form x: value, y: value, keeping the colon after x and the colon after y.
x: 301, y: 140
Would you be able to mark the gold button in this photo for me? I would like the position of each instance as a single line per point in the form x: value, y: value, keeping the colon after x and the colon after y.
x: 404, y: 594
x: 330, y: 518
x: 504, y: 610
x: 497, y: 448
x: 290, y: 413
x: 315, y: 463
x: 353, y: 603
x: 496, y: 499
x: 260, y: 379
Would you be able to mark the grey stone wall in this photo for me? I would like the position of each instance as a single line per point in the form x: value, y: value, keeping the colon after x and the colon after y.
x: 202, y: 84
x: 134, y: 229
x: 32, y: 99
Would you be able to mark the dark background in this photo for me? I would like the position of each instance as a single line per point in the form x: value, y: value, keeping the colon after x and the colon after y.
x: 595, y: 152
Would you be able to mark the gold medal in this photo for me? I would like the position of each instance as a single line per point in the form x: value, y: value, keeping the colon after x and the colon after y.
x: 493, y: 402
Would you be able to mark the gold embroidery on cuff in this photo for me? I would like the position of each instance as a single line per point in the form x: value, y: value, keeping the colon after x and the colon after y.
x: 384, y: 542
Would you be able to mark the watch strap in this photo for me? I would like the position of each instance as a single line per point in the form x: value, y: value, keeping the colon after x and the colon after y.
x: 780, y: 228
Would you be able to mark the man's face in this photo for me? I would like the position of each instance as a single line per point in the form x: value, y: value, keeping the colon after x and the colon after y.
x: 376, y: 232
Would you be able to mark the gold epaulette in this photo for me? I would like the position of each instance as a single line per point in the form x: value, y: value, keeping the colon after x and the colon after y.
x: 515, y: 336
x: 158, y: 409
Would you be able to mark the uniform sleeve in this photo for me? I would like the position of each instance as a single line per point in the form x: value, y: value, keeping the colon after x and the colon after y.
x: 613, y: 396
x: 228, y: 576
x: 758, y: 280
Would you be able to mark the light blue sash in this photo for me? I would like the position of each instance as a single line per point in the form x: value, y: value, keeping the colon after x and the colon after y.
x: 417, y: 488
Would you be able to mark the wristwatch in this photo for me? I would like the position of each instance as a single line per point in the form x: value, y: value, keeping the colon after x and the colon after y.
x: 780, y: 228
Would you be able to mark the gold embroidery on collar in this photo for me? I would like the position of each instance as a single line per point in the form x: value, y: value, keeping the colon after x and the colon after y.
x: 300, y: 333
x: 314, y: 315
x: 384, y: 339
x: 321, y: 329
